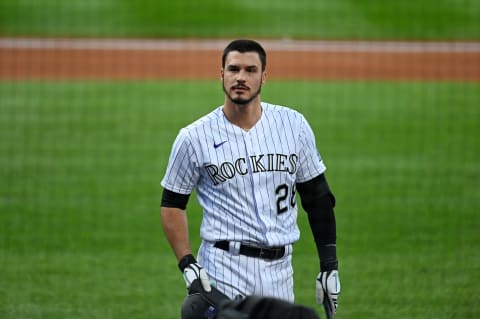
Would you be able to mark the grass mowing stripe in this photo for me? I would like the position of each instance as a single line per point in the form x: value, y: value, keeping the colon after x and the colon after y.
x: 81, y: 164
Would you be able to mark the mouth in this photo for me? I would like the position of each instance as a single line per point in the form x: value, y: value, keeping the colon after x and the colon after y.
x: 240, y: 88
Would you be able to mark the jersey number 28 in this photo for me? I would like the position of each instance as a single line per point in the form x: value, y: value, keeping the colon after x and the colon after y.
x: 285, y: 197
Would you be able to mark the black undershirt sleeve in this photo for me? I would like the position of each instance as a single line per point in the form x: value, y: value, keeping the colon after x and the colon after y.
x: 174, y: 200
x: 318, y: 201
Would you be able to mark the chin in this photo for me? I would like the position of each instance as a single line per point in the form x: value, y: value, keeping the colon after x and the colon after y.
x: 240, y: 102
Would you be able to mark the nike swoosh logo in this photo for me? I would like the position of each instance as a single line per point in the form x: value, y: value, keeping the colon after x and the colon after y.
x: 219, y: 144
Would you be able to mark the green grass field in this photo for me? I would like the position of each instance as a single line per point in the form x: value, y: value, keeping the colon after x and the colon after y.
x: 81, y: 163
x: 339, y: 19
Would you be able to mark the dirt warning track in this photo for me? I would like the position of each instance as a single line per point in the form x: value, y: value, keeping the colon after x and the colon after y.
x: 120, y: 59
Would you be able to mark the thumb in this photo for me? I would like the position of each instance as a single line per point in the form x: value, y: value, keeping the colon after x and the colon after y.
x: 205, y: 281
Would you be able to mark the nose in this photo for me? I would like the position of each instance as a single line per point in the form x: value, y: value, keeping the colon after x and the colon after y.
x: 241, y: 75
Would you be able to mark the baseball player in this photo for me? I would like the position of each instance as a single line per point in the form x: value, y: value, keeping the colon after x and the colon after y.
x: 247, y: 159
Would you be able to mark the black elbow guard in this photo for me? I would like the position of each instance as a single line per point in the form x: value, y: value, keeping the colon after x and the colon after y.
x: 312, y: 190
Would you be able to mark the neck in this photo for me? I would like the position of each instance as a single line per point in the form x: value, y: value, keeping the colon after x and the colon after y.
x: 243, y: 116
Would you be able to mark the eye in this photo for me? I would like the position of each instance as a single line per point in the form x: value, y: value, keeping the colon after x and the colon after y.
x: 252, y: 69
x: 233, y: 68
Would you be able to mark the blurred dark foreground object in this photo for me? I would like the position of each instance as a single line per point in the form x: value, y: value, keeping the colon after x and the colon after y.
x: 199, y: 304
x: 254, y: 307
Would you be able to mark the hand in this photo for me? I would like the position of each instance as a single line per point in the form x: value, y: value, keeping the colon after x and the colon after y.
x: 328, y: 289
x: 194, y: 271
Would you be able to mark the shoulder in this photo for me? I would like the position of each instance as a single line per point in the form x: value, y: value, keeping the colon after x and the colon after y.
x: 199, y: 125
x: 283, y: 112
x: 206, y: 119
x: 197, y: 130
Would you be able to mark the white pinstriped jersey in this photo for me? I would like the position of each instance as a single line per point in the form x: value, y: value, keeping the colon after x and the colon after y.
x: 245, y: 180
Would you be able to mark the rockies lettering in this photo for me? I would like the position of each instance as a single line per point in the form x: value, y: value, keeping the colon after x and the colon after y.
x: 259, y: 164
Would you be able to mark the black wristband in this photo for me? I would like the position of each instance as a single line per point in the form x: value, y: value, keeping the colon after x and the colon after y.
x: 185, y: 261
x: 328, y: 258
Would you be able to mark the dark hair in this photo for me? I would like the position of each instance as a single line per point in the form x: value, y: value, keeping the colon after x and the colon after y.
x: 243, y: 46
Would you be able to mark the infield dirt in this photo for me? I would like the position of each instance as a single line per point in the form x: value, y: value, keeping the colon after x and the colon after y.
x: 200, y: 59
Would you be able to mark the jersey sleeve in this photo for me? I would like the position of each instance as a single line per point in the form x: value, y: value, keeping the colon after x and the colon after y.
x: 310, y: 161
x: 182, y: 171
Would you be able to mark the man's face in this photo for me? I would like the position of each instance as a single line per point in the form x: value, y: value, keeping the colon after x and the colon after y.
x: 242, y: 77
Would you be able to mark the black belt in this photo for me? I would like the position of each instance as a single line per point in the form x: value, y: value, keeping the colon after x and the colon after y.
x: 270, y: 253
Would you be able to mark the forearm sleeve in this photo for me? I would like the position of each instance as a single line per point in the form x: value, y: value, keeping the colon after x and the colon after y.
x: 318, y: 201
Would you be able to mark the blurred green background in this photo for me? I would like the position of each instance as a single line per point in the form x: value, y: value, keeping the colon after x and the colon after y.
x: 81, y: 163
x: 366, y: 19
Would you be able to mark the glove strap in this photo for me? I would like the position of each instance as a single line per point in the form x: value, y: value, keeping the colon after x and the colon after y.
x: 185, y: 261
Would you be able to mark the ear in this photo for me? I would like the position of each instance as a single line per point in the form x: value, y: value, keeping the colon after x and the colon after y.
x: 264, y: 77
x: 221, y: 74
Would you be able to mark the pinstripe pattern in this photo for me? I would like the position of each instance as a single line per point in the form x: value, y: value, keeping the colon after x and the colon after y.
x: 235, y: 274
x: 245, y: 182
